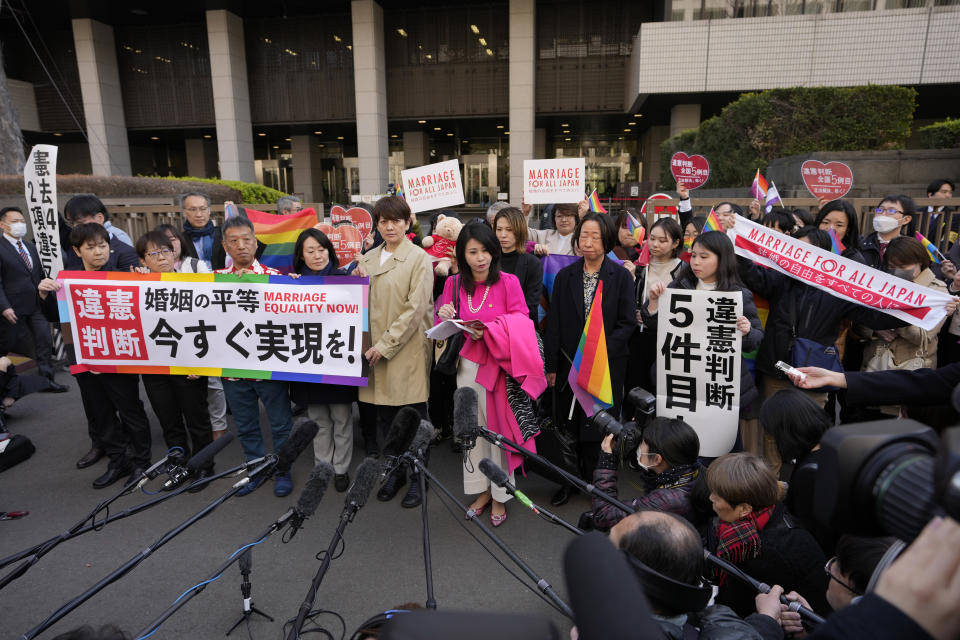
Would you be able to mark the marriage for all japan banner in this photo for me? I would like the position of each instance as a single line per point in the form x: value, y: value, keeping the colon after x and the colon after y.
x: 839, y: 276
x: 698, y: 377
x: 310, y: 329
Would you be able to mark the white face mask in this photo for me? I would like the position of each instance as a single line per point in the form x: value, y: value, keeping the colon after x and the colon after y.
x: 18, y: 229
x: 640, y: 462
x: 885, y: 224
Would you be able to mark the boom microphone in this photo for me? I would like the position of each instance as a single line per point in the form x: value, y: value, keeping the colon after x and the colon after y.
x: 198, y: 461
x: 301, y: 437
x: 311, y: 495
x: 500, y: 478
x: 465, y: 418
x: 402, y: 431
x: 421, y: 442
x: 363, y: 482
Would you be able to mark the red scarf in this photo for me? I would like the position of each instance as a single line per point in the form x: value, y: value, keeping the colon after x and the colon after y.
x: 740, y: 541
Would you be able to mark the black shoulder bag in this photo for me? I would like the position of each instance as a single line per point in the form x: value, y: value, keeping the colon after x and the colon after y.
x: 449, y: 357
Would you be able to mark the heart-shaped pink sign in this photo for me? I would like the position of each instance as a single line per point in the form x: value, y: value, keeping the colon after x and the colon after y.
x: 692, y: 171
x: 828, y: 181
x: 346, y: 239
x: 356, y: 216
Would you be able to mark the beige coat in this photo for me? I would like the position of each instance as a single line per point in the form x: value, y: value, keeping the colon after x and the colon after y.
x: 401, y: 309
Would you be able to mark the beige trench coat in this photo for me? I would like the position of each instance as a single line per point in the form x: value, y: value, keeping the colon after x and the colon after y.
x: 401, y: 309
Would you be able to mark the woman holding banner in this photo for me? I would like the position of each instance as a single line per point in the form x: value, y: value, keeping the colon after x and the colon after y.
x: 840, y: 216
x: 573, y: 291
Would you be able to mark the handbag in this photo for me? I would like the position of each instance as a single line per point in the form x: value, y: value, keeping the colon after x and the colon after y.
x: 810, y: 353
x: 883, y: 359
x: 447, y: 352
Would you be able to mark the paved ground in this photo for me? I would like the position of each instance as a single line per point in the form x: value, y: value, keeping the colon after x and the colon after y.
x: 381, y: 566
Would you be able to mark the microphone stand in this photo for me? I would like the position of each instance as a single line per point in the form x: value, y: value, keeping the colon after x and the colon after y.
x: 541, y: 583
x: 248, y: 608
x: 761, y: 587
x: 431, y: 602
x: 130, y: 564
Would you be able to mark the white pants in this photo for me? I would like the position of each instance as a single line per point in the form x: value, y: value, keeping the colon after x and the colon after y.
x: 216, y: 404
x: 334, y: 441
x: 475, y: 482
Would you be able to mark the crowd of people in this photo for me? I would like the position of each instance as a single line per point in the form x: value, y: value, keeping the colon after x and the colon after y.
x: 753, y: 507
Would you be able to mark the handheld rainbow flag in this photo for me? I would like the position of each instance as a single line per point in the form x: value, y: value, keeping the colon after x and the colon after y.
x: 636, y: 229
x: 931, y: 248
x: 773, y: 197
x: 280, y: 234
x: 589, y: 376
x: 399, y: 191
x: 594, y: 201
x: 835, y: 245
x: 713, y: 222
x: 759, y: 187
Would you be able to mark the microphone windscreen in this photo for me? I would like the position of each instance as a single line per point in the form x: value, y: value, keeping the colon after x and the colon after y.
x: 402, y: 431
x: 246, y: 560
x: 299, y: 439
x: 421, y: 442
x: 363, y: 481
x: 465, y: 413
x: 206, y: 455
x: 605, y: 595
x: 314, y: 489
x: 493, y: 471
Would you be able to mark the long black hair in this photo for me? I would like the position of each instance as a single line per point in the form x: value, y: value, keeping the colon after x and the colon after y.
x: 795, y: 421
x: 483, y: 234
x: 298, y: 263
x: 187, y: 248
x: 852, y: 237
x: 716, y: 242
x: 673, y: 231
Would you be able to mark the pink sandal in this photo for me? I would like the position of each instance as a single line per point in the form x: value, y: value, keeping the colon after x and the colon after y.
x: 476, y: 512
x: 496, y: 521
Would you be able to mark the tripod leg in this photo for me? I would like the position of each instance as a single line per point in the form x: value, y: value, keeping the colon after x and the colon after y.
x: 253, y: 610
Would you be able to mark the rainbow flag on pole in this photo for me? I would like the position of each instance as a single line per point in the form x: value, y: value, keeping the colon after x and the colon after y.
x: 589, y: 376
x: 635, y: 228
x: 280, y: 234
x: 594, y: 201
x: 931, y: 248
x: 399, y: 191
x: 759, y: 187
x: 713, y: 222
x: 835, y: 245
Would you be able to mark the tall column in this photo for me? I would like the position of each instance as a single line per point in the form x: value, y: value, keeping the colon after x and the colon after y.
x: 522, y: 90
x: 370, y: 89
x: 683, y: 117
x: 416, y: 149
x: 307, y: 169
x: 231, y: 95
x: 102, y: 99
x: 650, y: 143
x: 201, y: 158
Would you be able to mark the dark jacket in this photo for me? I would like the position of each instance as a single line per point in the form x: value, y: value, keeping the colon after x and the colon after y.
x: 818, y: 315
x: 800, y: 498
x: 18, y: 283
x: 870, y: 250
x: 789, y: 556
x: 122, y: 257
x: 529, y: 271
x: 672, y: 500
x: 718, y: 622
x: 898, y: 386
x: 870, y: 618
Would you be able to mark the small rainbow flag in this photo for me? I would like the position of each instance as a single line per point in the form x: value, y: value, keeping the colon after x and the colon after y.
x: 931, y: 248
x: 399, y: 191
x: 280, y: 234
x: 759, y: 187
x: 836, y: 246
x: 635, y: 228
x: 713, y: 222
x: 589, y: 376
x: 594, y: 201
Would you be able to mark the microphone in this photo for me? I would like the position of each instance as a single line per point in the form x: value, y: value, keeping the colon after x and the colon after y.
x: 402, y: 431
x: 465, y: 418
x: 198, y: 461
x: 500, y: 478
x: 156, y: 468
x: 363, y: 482
x: 299, y: 439
x: 421, y: 441
x: 311, y: 496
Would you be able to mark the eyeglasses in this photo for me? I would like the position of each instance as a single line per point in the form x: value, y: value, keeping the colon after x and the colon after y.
x: 830, y: 575
x: 890, y: 212
x: 162, y: 252
x: 196, y: 209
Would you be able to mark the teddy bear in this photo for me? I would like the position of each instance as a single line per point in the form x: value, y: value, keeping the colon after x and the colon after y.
x: 441, y: 241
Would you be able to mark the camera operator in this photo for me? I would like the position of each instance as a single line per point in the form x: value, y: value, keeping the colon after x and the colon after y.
x: 754, y: 531
x: 669, y: 546
x: 667, y: 456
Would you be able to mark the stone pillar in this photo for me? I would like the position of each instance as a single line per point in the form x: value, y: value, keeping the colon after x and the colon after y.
x: 416, y: 149
x: 307, y: 169
x: 102, y: 99
x: 201, y: 157
x: 683, y: 117
x: 231, y: 95
x: 539, y: 143
x: 522, y: 90
x: 370, y: 89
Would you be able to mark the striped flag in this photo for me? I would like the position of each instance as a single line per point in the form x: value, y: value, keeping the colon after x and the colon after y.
x: 713, y: 222
x: 759, y: 187
x: 773, y: 197
x: 836, y: 246
x: 589, y: 376
x: 635, y: 228
x: 280, y: 233
x: 399, y: 191
x: 931, y: 248
x: 594, y: 201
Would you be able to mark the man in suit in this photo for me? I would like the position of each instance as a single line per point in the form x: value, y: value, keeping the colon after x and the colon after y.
x: 88, y: 208
x: 20, y: 273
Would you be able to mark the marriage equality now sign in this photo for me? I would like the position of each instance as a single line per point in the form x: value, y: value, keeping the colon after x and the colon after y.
x: 846, y: 279
x: 698, y: 377
x: 309, y: 329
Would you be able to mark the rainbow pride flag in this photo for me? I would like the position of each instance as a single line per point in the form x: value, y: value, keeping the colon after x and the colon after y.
x: 759, y: 187
x: 399, y: 191
x: 635, y: 228
x: 551, y: 267
x: 836, y: 246
x: 594, y: 201
x: 713, y: 222
x: 931, y: 248
x: 589, y: 376
x: 280, y: 234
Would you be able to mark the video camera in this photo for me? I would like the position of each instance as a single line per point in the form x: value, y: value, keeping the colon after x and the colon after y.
x: 628, y: 434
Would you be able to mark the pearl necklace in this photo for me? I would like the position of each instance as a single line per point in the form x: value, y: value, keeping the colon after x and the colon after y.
x: 484, y: 299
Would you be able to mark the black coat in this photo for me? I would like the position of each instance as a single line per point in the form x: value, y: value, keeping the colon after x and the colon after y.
x: 122, y: 257
x: 872, y: 617
x: 18, y: 283
x: 898, y: 386
x: 818, y: 314
x: 529, y: 271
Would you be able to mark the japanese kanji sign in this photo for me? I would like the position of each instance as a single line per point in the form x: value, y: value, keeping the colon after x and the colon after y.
x: 433, y: 186
x: 546, y: 181
x: 269, y: 327
x: 828, y: 181
x: 846, y: 279
x: 698, y: 377
x: 692, y: 171
x: 40, y: 189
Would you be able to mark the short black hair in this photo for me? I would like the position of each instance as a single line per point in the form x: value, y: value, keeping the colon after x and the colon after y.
x: 673, y: 439
x: 85, y: 205
x: 795, y: 421
x: 319, y: 236
x: 934, y: 186
x: 187, y: 248
x: 6, y: 210
x: 483, y: 234
x: 156, y: 237
x: 737, y: 209
x: 806, y: 218
x: 781, y: 218
x: 817, y: 237
x: 391, y: 208
x: 236, y: 222
x: 858, y: 557
x: 909, y: 206
x: 608, y: 232
x: 84, y: 232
